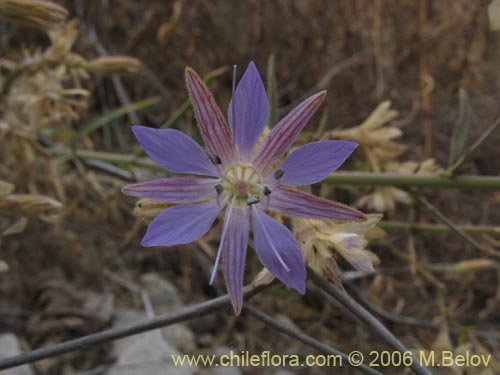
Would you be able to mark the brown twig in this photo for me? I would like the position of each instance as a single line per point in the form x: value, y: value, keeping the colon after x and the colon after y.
x: 308, y: 340
x: 160, y: 321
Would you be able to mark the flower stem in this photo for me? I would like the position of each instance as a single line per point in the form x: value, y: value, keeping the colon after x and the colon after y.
x: 453, y: 227
x: 399, y: 226
x: 339, y: 178
x: 433, y: 181
x: 108, y: 335
x: 365, y: 317
x: 308, y: 340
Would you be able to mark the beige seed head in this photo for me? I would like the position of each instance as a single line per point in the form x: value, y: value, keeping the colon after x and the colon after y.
x: 147, y: 209
x: 108, y: 65
x: 43, y: 15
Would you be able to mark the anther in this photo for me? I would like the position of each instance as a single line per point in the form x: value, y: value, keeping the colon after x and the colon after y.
x: 267, y: 191
x: 278, y: 173
x: 219, y: 189
x: 216, y: 159
x: 253, y: 200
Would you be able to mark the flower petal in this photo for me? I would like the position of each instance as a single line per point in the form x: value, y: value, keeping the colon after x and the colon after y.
x: 292, y: 202
x: 175, y: 151
x: 213, y: 126
x: 234, y: 249
x: 283, y: 135
x: 278, y: 250
x: 251, y: 109
x: 175, y: 190
x: 315, y: 161
x: 181, y: 224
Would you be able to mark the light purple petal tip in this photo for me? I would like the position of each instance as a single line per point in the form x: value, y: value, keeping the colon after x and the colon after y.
x: 175, y: 190
x: 213, y: 126
x: 292, y: 202
x: 314, y: 161
x: 251, y: 109
x: 181, y: 224
x: 278, y: 250
x: 284, y: 134
x: 174, y: 151
x: 234, y: 249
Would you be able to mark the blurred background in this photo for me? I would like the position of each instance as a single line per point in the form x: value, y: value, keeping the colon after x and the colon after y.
x: 69, y: 240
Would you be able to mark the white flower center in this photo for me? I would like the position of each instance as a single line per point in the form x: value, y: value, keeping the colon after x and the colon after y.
x: 243, y: 184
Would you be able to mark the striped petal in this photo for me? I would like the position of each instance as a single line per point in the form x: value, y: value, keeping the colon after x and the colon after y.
x: 181, y: 224
x: 214, y: 129
x: 292, y: 202
x: 174, y: 151
x: 284, y: 134
x: 278, y: 250
x: 314, y: 161
x: 175, y: 190
x: 251, y: 111
x: 234, y: 249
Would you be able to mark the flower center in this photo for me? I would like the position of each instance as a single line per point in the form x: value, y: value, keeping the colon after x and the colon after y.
x: 243, y: 184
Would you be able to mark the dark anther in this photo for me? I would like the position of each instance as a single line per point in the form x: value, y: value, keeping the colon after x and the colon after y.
x: 267, y: 191
x: 278, y: 173
x: 219, y: 189
x: 253, y: 199
x: 216, y: 159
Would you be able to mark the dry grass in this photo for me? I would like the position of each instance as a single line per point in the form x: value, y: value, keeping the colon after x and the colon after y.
x: 417, y: 54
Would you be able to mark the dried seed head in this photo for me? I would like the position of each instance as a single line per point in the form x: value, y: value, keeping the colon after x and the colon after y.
x: 108, y: 65
x: 147, y: 209
x: 46, y: 208
x: 4, y: 267
x: 43, y: 15
x: 5, y: 188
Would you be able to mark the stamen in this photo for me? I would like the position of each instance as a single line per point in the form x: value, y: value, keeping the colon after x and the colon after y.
x: 219, y: 189
x: 216, y: 159
x: 267, y: 191
x: 253, y: 200
x: 222, y: 238
x: 278, y: 173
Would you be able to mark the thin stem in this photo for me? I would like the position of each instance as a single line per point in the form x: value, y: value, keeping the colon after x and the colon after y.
x: 394, y: 179
x: 365, y: 317
x: 466, y: 155
x: 399, y: 226
x: 105, y: 156
x: 338, y: 178
x: 84, y: 342
x: 308, y: 340
x: 440, y: 216
x: 408, y: 320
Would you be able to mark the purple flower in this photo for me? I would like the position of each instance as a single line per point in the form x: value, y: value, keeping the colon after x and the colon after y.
x: 243, y: 181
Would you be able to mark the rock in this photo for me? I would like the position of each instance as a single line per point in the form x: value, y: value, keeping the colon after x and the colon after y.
x: 284, y: 372
x: 164, y: 298
x: 180, y: 336
x: 10, y: 346
x: 146, y: 353
x: 101, y: 305
x: 163, y: 294
x: 229, y: 370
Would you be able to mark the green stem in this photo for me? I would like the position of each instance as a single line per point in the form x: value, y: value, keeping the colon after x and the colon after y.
x: 398, y: 226
x: 339, y: 178
x: 433, y: 181
x: 453, y: 227
x: 106, y: 156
